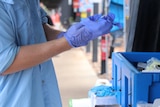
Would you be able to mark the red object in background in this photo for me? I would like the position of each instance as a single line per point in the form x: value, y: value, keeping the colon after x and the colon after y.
x: 75, y: 4
x: 105, y: 41
x: 78, y: 14
x: 103, y: 54
x: 103, y: 48
x: 55, y: 18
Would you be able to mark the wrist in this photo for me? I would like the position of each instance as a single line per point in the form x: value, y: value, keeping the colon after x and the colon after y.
x: 80, y: 39
x: 69, y: 40
x: 66, y: 43
x: 60, y: 35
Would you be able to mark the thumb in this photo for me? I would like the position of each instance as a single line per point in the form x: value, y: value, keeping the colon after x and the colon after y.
x: 110, y: 17
x: 95, y: 17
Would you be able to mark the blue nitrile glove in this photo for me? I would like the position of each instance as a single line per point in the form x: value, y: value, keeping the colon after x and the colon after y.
x: 77, y: 35
x: 102, y: 91
x: 118, y: 25
x: 97, y: 17
x: 98, y: 25
x: 81, y: 33
x: 92, y: 18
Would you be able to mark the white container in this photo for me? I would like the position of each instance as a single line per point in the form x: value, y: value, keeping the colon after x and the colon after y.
x: 107, y: 100
x: 145, y: 105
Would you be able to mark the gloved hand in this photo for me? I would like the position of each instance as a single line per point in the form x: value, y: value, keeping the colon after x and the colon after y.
x: 92, y: 18
x: 88, y: 29
x: 96, y: 17
x: 99, y: 25
x: 77, y: 35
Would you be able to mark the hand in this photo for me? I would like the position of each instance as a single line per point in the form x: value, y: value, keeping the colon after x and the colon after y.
x: 77, y: 35
x: 81, y: 33
x: 98, y: 25
x: 92, y: 18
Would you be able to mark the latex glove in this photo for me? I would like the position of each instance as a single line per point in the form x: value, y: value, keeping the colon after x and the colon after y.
x: 77, y: 35
x: 98, y: 25
x: 95, y: 17
x: 102, y: 91
x: 81, y: 33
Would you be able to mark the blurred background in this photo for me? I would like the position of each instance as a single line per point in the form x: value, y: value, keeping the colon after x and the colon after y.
x: 79, y: 69
x: 64, y: 13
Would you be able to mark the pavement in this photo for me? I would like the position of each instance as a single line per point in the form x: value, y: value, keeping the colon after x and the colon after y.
x: 77, y: 74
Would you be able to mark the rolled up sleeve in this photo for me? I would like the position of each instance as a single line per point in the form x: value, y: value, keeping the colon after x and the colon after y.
x: 43, y: 16
x: 8, y: 46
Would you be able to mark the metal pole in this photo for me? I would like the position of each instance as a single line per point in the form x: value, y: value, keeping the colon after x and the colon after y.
x: 103, y: 55
x: 106, y: 11
x: 104, y: 45
x: 88, y: 49
x: 95, y: 41
x: 95, y: 50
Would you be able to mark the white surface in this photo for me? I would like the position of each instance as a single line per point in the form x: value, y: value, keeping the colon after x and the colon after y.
x: 84, y: 102
x: 156, y: 103
x: 108, y: 100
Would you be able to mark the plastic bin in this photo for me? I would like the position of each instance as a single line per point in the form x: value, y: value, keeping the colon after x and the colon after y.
x: 132, y: 85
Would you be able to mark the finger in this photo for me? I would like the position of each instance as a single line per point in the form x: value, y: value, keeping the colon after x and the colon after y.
x: 110, y: 17
x: 95, y: 17
x: 119, y: 25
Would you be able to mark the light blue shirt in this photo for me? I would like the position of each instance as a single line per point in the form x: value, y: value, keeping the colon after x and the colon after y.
x: 21, y: 24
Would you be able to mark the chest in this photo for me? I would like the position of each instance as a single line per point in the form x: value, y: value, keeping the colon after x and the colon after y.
x: 27, y: 22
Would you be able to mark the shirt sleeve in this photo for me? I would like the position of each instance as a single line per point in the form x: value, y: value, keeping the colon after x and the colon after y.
x: 8, y: 46
x: 43, y: 16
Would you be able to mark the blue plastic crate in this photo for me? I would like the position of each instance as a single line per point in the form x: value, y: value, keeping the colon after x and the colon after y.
x: 132, y: 85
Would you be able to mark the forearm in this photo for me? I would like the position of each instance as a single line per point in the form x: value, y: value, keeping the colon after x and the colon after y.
x: 32, y: 55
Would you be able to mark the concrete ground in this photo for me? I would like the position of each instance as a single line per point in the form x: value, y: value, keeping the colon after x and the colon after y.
x: 75, y: 75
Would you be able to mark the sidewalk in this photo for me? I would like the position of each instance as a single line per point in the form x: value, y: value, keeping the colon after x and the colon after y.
x: 75, y: 75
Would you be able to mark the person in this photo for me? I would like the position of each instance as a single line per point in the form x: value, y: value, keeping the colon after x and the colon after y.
x: 27, y: 44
